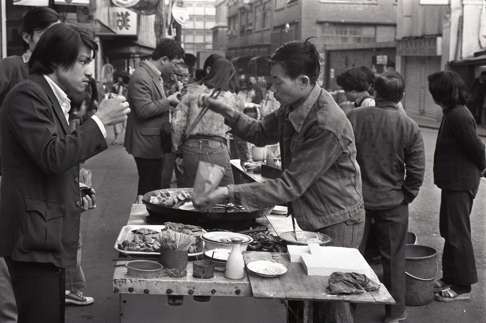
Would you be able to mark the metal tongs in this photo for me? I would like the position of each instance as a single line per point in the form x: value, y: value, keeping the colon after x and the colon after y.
x: 214, y: 95
x: 291, y: 213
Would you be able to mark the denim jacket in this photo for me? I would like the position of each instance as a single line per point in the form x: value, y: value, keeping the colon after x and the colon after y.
x: 321, y: 178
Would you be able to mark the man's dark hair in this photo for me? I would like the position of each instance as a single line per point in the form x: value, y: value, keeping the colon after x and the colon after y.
x: 298, y: 58
x: 168, y: 48
x: 38, y: 18
x: 389, y: 86
x: 356, y: 79
x: 60, y: 46
x: 448, y: 89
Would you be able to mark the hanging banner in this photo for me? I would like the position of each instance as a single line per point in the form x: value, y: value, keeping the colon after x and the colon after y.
x: 72, y: 2
x: 35, y: 3
x: 123, y: 21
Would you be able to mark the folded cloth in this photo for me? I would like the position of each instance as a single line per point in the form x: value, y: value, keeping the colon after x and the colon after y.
x: 350, y: 283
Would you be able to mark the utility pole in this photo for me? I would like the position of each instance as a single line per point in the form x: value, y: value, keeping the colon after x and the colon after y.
x: 159, y: 23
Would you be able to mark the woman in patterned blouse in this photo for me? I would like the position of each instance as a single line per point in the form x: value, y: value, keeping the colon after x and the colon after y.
x: 207, y: 140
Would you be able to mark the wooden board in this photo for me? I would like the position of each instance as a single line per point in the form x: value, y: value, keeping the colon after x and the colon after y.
x: 295, y: 284
x: 188, y: 285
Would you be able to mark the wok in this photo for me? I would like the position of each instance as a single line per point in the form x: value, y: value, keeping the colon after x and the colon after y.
x: 208, y: 218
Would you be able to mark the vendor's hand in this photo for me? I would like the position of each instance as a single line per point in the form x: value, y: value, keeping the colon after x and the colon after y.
x: 221, y: 194
x: 113, y: 110
x: 216, y: 105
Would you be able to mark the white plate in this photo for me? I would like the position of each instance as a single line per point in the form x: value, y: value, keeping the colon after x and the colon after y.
x: 305, y: 237
x: 218, y: 254
x: 265, y: 268
x: 226, y: 236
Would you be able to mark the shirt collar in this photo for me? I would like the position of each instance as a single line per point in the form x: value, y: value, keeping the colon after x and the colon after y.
x: 61, y: 97
x: 153, y: 68
x: 26, y: 56
x: 298, y: 115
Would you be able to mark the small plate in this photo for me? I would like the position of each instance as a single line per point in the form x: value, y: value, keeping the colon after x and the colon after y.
x: 218, y: 254
x: 265, y: 268
x: 305, y: 237
x: 280, y: 210
x: 226, y: 236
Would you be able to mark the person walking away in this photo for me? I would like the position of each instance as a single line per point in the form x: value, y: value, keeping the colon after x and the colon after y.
x: 392, y: 160
x: 13, y: 69
x: 144, y: 139
x: 459, y: 161
x: 40, y: 223
x: 321, y: 179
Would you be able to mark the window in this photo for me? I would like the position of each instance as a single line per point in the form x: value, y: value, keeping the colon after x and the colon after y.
x: 347, y: 33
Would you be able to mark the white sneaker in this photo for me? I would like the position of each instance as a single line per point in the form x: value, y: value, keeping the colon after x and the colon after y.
x: 77, y: 298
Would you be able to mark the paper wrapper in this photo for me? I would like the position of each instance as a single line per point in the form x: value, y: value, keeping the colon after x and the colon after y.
x: 208, y: 177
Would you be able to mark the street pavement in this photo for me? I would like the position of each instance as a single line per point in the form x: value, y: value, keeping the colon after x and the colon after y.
x: 115, y: 179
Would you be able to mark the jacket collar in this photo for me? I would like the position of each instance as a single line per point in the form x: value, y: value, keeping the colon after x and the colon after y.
x: 56, y: 107
x: 380, y: 103
x: 298, y: 115
x: 153, y: 71
x: 156, y: 76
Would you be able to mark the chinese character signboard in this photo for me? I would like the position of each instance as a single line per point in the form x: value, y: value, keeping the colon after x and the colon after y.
x: 123, y: 21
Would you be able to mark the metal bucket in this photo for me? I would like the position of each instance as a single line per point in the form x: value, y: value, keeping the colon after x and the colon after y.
x: 420, y: 270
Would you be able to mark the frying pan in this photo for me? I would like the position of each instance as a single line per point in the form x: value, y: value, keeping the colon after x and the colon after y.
x: 211, y: 217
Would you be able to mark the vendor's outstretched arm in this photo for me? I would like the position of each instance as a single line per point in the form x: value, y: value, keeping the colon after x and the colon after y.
x: 260, y: 133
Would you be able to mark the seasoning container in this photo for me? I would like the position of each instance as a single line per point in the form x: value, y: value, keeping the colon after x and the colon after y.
x: 235, y: 266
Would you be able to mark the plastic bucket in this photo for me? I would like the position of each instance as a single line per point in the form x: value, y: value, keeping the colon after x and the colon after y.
x: 420, y: 271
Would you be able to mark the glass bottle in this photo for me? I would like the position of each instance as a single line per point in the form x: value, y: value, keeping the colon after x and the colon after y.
x: 235, y: 265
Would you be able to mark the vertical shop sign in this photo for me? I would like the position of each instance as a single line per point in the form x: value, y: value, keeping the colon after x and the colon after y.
x: 123, y: 21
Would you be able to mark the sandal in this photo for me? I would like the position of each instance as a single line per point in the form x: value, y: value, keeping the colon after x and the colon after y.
x: 449, y: 295
x: 440, y: 285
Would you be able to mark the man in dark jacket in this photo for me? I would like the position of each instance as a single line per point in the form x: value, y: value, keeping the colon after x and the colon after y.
x: 39, y: 225
x: 459, y: 160
x: 14, y: 69
x: 149, y: 122
x: 392, y: 160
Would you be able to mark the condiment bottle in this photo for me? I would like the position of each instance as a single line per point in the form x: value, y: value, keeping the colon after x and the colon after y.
x: 235, y: 265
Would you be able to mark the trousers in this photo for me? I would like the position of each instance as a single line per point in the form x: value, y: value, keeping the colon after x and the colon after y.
x: 390, y: 227
x: 39, y: 291
x: 458, y: 262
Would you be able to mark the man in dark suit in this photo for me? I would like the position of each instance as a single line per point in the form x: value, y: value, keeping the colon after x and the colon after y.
x: 146, y: 127
x: 39, y: 225
x: 14, y: 69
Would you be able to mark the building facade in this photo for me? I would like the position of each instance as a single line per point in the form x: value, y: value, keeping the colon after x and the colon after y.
x: 220, y: 29
x: 347, y: 33
x: 197, y: 34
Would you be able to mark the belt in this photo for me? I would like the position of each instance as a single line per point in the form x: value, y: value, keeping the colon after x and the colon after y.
x: 207, y: 138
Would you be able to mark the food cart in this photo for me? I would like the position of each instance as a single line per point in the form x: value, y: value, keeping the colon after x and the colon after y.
x: 251, y: 299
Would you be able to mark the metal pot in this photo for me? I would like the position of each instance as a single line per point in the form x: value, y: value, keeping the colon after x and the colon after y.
x: 215, y: 218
